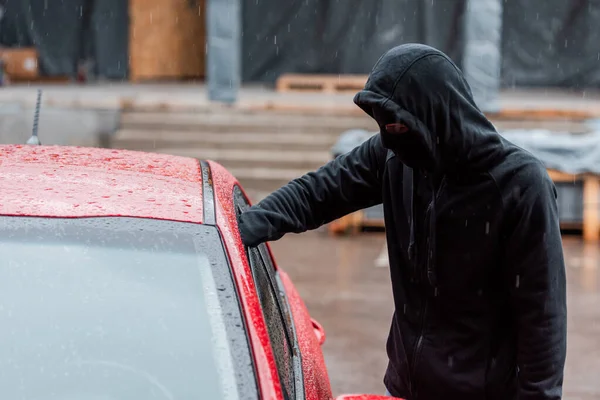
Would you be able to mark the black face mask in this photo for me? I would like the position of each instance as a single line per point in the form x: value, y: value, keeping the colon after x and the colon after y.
x: 410, y: 146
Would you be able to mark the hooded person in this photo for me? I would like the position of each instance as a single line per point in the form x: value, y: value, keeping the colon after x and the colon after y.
x: 472, y: 230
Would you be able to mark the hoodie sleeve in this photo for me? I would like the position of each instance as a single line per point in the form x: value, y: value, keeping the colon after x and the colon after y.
x: 348, y: 183
x: 537, y: 285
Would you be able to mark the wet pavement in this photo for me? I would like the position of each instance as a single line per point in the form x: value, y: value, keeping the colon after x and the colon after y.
x: 348, y: 290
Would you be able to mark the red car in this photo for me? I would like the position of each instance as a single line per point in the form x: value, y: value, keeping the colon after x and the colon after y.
x: 123, y: 276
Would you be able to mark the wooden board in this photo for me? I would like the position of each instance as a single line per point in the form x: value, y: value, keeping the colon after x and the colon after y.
x: 544, y: 114
x: 320, y: 83
x: 20, y: 63
x: 591, y: 199
x: 353, y: 223
x: 167, y: 39
x: 46, y: 80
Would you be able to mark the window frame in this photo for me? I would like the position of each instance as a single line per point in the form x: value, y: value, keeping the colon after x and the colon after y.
x: 241, y: 204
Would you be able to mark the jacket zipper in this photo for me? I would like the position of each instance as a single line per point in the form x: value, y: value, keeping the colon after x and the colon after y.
x: 419, y: 344
x: 417, y: 350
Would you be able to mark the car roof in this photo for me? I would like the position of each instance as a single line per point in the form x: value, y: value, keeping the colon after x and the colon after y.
x: 62, y: 181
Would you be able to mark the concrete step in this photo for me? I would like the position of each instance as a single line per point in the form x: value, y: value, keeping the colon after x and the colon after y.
x: 553, y: 126
x: 265, y: 121
x: 150, y: 140
x: 165, y: 145
x: 267, y: 159
x: 262, y: 186
x: 250, y: 127
x: 261, y: 181
x: 256, y: 195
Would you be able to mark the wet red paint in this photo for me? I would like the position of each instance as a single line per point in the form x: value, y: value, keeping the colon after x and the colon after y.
x: 316, y: 378
x: 54, y: 181
x: 268, y: 379
x: 365, y: 397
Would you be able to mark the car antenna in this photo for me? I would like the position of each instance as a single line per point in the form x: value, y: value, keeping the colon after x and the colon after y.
x: 34, y: 139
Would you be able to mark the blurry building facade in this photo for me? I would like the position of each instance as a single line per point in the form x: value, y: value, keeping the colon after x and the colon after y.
x: 544, y: 43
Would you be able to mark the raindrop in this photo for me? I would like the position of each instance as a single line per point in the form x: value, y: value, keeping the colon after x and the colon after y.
x: 405, y: 308
x: 450, y: 361
x: 518, y: 281
x: 487, y: 228
x: 466, y: 222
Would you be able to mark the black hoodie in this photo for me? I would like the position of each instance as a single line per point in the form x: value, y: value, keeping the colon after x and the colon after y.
x: 472, y: 229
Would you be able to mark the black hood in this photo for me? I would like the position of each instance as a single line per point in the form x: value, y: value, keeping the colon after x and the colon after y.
x: 437, y: 128
x: 421, y: 88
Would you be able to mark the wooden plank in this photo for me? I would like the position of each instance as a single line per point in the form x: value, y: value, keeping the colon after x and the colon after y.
x: 591, y: 193
x: 20, y: 63
x: 347, y: 224
x: 374, y: 223
x: 558, y: 176
x: 591, y: 218
x: 353, y: 223
x: 167, y: 39
x: 42, y: 80
x: 544, y: 114
x: 320, y: 83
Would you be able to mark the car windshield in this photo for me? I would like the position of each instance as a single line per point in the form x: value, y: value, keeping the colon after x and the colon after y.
x: 118, y: 309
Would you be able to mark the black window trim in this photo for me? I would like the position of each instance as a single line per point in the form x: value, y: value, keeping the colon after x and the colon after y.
x: 282, y: 300
x: 208, y: 195
x: 288, y: 320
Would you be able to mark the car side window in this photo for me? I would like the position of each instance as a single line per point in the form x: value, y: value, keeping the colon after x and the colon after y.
x: 274, y: 311
x: 280, y: 342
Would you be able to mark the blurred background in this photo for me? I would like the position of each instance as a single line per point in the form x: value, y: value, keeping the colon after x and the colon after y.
x: 265, y: 88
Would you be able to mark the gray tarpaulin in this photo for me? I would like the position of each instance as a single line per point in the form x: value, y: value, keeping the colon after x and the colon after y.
x: 223, y: 44
x: 66, y: 31
x: 551, y: 43
x: 348, y: 140
x: 565, y: 152
x: 332, y: 36
x: 570, y: 153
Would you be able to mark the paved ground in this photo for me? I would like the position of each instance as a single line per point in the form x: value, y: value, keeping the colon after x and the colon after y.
x: 351, y: 297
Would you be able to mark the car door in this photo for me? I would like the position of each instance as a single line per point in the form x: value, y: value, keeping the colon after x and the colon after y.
x: 295, y: 338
